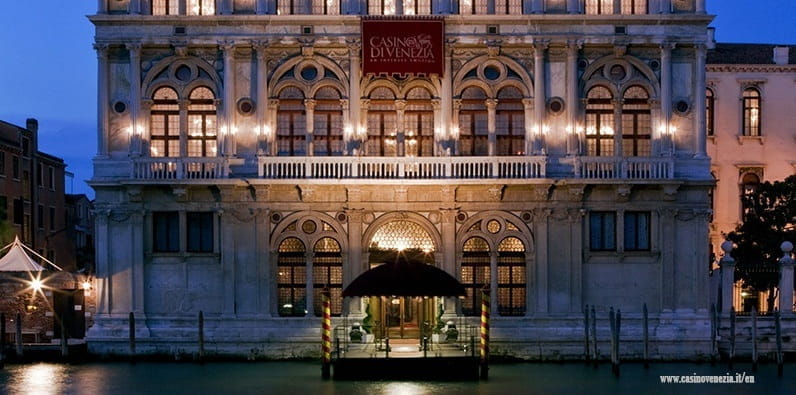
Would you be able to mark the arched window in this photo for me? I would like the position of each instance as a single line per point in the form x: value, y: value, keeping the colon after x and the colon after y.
x: 636, y: 122
x: 165, y: 124
x: 201, y: 7
x: 292, y: 278
x: 419, y: 123
x: 382, y: 118
x: 508, y: 7
x: 473, y: 123
x: 599, y: 122
x: 327, y: 272
x: 634, y: 6
x: 475, y: 273
x: 749, y: 184
x: 402, y: 235
x: 202, y: 126
x: 291, y: 126
x: 326, y: 7
x: 328, y: 123
x: 710, y: 111
x: 165, y: 7
x: 599, y: 7
x: 510, y: 122
x: 511, y: 277
x: 751, y: 112
x: 417, y: 7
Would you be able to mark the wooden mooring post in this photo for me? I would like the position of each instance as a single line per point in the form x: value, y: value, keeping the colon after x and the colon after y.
x: 646, y: 335
x: 586, y: 334
x: 754, y: 339
x: 485, y: 306
x: 131, y: 323
x: 732, y: 335
x: 326, y: 335
x: 778, y: 329
x: 615, y: 324
x: 201, y: 336
x: 595, y: 352
x: 19, y: 335
x: 64, y: 340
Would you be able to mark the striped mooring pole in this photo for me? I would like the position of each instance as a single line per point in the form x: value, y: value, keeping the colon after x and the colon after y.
x: 326, y: 334
x: 485, y: 303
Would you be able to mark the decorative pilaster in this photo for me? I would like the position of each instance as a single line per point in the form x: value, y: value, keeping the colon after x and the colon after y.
x: 530, y: 138
x: 665, y: 6
x: 262, y: 97
x: 700, y: 116
x: 537, y: 7
x: 228, y: 100
x: 786, y: 279
x: 137, y: 289
x: 103, y: 271
x: 491, y: 106
x: 439, y: 134
x: 309, y: 108
x: 135, y: 7
x: 666, y: 98
x: 310, y: 289
x: 400, y: 134
x: 573, y: 139
x: 273, y: 107
x: 446, y: 98
x: 539, y: 79
x: 103, y: 85
x: 135, y: 99
x: 102, y: 7
x: 617, y: 105
x: 453, y: 133
x: 355, y: 122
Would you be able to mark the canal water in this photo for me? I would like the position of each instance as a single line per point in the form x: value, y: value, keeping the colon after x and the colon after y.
x: 304, y: 378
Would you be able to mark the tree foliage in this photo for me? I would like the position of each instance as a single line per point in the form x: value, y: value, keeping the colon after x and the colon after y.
x: 769, y: 218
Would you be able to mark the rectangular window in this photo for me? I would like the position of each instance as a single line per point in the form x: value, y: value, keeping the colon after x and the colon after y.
x: 15, y: 167
x: 2, y: 164
x: 165, y: 231
x: 634, y: 7
x: 52, y: 219
x: 602, y: 231
x: 201, y: 7
x: 18, y: 211
x: 51, y: 178
x: 40, y: 175
x: 3, y: 208
x: 40, y: 216
x: 200, y: 231
x: 25, y: 147
x: 637, y: 231
x: 165, y: 7
x: 599, y: 7
x: 326, y: 7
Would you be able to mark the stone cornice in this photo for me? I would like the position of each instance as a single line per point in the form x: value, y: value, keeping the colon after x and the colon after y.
x: 751, y: 68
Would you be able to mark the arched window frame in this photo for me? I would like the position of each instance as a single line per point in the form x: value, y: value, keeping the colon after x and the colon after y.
x: 599, y: 122
x: 291, y: 278
x: 636, y: 122
x: 475, y: 273
x: 202, y: 123
x: 165, y: 123
x: 510, y: 123
x: 419, y: 123
x: 327, y: 273
x: 750, y: 182
x: 710, y: 112
x: 752, y: 112
x: 328, y: 123
x: 473, y: 123
x: 382, y: 123
x: 291, y: 130
x: 511, y: 277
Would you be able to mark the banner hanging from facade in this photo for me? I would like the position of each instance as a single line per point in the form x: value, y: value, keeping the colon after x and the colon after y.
x: 403, y: 45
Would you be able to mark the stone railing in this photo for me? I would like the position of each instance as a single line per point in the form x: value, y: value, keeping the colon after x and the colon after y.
x: 179, y: 168
x: 401, y: 167
x: 633, y: 168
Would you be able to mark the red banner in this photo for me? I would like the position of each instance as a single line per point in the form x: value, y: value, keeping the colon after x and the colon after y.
x: 403, y: 45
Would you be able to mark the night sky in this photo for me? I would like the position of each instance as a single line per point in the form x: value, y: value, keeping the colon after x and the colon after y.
x: 48, y: 67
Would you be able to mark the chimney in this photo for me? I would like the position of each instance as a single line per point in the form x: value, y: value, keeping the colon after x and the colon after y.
x: 33, y: 125
x: 781, y: 55
x: 711, y: 44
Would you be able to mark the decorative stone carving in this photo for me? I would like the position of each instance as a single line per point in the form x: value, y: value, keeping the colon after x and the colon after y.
x: 623, y: 192
x: 134, y: 193
x: 434, y: 217
x: 400, y: 194
x: 180, y: 193
x: 576, y: 192
x: 306, y: 192
x: 496, y: 193
x: 541, y: 192
x: 354, y: 194
x: 670, y: 192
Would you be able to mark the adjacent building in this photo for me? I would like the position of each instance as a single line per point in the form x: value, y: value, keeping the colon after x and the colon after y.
x: 252, y: 153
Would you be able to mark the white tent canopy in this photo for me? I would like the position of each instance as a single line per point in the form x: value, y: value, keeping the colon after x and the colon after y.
x: 17, y: 260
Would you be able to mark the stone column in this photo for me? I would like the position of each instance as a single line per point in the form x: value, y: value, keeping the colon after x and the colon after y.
x: 491, y: 105
x: 455, y: 128
x: 439, y: 133
x: 227, y: 247
x: 493, y: 283
x: 137, y: 287
x: 135, y: 98
x: 103, y: 282
x: 539, y: 97
x: 530, y: 137
x: 699, y: 106
x: 146, y: 126
x: 573, y: 146
x: 727, y: 264
x: 265, y: 276
x: 361, y: 132
x: 273, y: 107
x: 666, y: 98
x: 541, y: 221
x: 262, y: 97
x: 786, y: 279
x: 617, y: 103
x: 228, y: 99
x: 446, y: 94
x: 353, y: 266
x: 310, y: 289
x: 183, y: 105
x: 617, y: 7
x: 309, y: 118
x: 449, y: 255
x: 103, y: 85
x: 355, y: 122
x: 182, y: 7
x: 400, y: 106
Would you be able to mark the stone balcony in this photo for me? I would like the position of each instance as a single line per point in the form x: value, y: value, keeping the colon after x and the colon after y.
x: 401, y: 168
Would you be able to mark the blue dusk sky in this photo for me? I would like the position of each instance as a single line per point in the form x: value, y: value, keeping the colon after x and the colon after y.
x: 48, y: 68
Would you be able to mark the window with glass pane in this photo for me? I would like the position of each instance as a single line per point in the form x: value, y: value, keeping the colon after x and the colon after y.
x: 164, y: 124
x: 328, y: 123
x: 327, y: 272
x: 472, y: 7
x: 636, y: 123
x: 749, y: 184
x: 599, y: 122
x: 419, y: 123
x: 381, y: 7
x: 326, y: 7
x: 245, y: 6
x: 165, y: 231
x: 751, y: 112
x: 637, y: 231
x: 202, y: 127
x: 165, y: 7
x: 201, y: 7
x: 510, y: 122
x: 602, y: 231
x: 200, y: 231
x: 290, y: 7
x: 291, y: 278
x: 710, y: 111
x: 508, y: 7
x: 511, y: 277
x: 291, y: 126
x: 599, y: 7
x: 382, y: 124
x: 3, y: 164
x: 473, y: 123
x: 400, y: 235
x: 417, y: 7
x: 475, y: 274
x: 634, y: 6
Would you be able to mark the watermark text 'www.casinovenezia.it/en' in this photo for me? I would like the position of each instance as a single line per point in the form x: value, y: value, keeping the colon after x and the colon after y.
x: 738, y: 378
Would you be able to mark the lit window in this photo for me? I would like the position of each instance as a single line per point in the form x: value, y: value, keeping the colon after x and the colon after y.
x: 599, y: 122
x: 636, y: 122
x: 326, y: 7
x: 637, y: 231
x: 328, y: 123
x: 751, y: 112
x: 473, y: 7
x: 511, y: 277
x: 508, y: 7
x: 201, y: 7
x: 291, y: 278
x: 417, y: 7
x: 382, y: 124
x: 381, y: 7
x: 475, y: 274
x: 602, y: 231
x: 599, y: 7
x: 473, y: 123
x: 165, y: 7
x: 165, y: 124
x: 202, y: 126
x: 291, y: 124
x: 419, y: 123
x: 710, y: 111
x: 510, y: 123
x: 327, y: 272
x: 634, y: 6
x: 749, y: 185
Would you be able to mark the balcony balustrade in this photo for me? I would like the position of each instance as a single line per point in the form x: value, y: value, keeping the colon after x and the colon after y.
x: 630, y: 168
x: 189, y: 168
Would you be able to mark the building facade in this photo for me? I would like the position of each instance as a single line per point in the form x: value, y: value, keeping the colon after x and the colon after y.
x: 32, y: 193
x: 250, y: 154
x: 750, y: 116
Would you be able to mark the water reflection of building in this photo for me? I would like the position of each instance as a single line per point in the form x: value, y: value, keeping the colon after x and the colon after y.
x: 246, y: 161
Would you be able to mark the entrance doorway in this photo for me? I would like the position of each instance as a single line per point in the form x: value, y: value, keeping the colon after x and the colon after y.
x: 406, y: 317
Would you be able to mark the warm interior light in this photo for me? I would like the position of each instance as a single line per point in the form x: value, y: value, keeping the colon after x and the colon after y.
x: 36, y: 284
x: 86, y: 285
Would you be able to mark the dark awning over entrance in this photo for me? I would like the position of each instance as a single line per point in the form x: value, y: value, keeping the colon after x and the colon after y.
x: 404, y: 278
